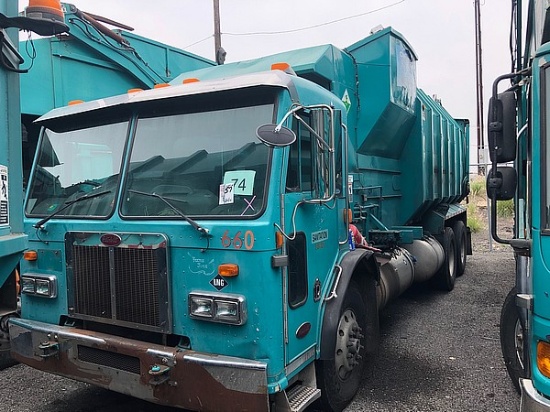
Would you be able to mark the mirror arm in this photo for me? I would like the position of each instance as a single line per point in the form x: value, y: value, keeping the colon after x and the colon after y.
x: 286, y: 116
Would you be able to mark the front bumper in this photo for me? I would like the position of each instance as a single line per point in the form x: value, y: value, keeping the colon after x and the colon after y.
x: 163, y: 375
x: 531, y: 400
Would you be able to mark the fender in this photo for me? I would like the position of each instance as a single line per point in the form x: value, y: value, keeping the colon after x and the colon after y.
x: 364, y: 261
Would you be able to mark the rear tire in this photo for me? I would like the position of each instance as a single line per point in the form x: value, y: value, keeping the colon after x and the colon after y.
x: 459, y: 230
x: 445, y: 278
x: 511, y: 339
x: 340, y: 378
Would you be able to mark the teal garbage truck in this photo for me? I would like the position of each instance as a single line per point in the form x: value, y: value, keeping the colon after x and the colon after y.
x: 518, y: 146
x: 12, y: 238
x: 226, y: 243
x: 44, y: 18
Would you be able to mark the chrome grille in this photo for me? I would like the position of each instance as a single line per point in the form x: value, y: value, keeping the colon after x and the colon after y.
x: 124, y: 285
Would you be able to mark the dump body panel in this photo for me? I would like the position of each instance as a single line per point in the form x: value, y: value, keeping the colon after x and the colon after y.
x: 75, y: 67
x: 12, y: 239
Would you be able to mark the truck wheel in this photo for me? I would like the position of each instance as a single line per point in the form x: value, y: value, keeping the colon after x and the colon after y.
x: 445, y: 278
x: 339, y: 378
x: 460, y: 242
x: 511, y: 339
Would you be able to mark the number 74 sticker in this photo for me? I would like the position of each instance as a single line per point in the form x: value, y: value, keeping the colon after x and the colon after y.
x: 237, y: 183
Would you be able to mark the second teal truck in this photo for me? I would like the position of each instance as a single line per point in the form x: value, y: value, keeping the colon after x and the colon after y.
x: 226, y: 243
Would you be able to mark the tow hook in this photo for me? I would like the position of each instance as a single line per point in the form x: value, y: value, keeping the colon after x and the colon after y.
x: 49, y: 349
x: 159, y: 374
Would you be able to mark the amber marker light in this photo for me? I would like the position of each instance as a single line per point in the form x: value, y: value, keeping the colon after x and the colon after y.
x: 278, y: 240
x: 136, y: 90
x: 30, y: 255
x: 228, y: 270
x: 190, y: 80
x: 161, y: 85
x: 75, y: 102
x: 280, y: 66
x: 543, y: 358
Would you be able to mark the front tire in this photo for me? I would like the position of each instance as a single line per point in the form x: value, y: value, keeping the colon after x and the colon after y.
x: 511, y: 339
x: 339, y: 378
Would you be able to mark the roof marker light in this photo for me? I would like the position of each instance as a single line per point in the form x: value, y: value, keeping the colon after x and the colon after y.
x: 136, y: 90
x: 75, y: 102
x: 283, y: 66
x: 161, y: 85
x: 190, y: 80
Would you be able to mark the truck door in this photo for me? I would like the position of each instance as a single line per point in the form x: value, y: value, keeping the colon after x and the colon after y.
x: 314, y: 226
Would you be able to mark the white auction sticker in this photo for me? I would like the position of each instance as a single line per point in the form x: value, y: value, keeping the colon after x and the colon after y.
x: 4, y: 210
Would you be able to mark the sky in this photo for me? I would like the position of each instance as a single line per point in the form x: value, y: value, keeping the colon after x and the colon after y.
x: 441, y: 32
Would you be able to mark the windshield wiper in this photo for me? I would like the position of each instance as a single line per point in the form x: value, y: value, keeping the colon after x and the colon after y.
x: 176, y: 210
x: 40, y: 223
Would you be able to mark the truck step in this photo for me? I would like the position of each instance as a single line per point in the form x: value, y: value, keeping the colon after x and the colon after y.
x: 300, y: 397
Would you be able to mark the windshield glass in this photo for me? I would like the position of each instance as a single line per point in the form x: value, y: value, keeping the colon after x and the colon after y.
x: 74, y: 164
x: 206, y: 164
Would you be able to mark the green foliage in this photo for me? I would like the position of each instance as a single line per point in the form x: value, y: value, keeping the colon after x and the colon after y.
x: 477, y: 187
x: 505, y: 208
x: 474, y: 221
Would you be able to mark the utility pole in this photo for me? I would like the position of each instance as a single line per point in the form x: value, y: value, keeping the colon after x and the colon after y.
x: 481, y: 161
x: 219, y: 52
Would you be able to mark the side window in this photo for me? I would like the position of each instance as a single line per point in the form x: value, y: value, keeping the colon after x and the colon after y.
x: 299, y: 173
x: 297, y: 271
x: 313, y: 157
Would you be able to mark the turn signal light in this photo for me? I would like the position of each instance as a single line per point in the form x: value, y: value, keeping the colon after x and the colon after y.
x: 278, y: 240
x: 228, y: 270
x: 543, y: 358
x: 30, y: 255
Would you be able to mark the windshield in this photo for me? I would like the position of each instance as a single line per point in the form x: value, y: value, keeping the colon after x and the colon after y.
x: 74, y: 164
x: 206, y: 164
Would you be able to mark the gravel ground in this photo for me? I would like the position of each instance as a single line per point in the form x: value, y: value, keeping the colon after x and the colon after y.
x: 439, y: 352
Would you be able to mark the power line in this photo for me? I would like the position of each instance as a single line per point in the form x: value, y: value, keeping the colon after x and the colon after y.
x: 314, y: 26
x: 197, y: 42
x: 299, y: 29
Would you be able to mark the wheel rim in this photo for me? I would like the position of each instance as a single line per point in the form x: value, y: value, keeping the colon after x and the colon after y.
x: 518, y: 338
x: 451, y: 262
x: 463, y: 251
x: 348, y: 344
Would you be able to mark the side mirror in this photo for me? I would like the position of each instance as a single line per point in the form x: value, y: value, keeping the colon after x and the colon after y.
x: 274, y: 136
x: 501, y: 184
x: 502, y: 127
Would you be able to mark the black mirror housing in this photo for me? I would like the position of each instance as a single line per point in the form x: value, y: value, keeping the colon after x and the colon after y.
x: 501, y: 184
x: 502, y: 127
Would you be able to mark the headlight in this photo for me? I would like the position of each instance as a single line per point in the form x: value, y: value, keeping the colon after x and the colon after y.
x: 43, y: 286
x: 220, y: 308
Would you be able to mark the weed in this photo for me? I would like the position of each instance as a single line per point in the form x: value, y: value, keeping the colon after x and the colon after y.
x: 477, y: 187
x: 505, y: 208
x: 474, y: 222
